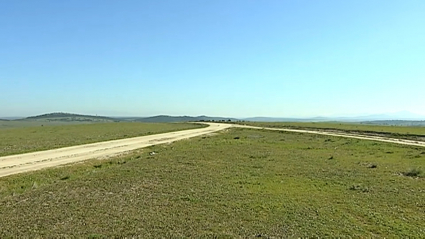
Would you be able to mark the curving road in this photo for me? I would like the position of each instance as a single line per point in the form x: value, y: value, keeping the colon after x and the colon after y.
x: 15, y: 164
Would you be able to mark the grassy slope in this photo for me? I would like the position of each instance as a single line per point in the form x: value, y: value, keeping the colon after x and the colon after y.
x: 28, y: 139
x: 262, y: 183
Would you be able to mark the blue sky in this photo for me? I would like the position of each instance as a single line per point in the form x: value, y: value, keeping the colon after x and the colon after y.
x: 237, y: 58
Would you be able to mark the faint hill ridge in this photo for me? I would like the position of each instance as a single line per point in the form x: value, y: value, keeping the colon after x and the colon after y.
x: 401, y: 115
x: 405, y: 115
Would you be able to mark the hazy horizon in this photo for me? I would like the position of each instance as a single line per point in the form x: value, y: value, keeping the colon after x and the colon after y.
x: 401, y: 115
x: 239, y: 58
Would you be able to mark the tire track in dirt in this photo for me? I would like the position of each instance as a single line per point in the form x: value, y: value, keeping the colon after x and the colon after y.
x: 345, y: 135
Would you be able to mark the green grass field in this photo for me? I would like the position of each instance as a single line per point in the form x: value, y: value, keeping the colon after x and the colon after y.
x: 28, y: 139
x: 242, y: 183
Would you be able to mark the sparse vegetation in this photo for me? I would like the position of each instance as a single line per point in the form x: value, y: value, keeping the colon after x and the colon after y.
x: 263, y: 184
x: 413, y: 172
x: 373, y: 166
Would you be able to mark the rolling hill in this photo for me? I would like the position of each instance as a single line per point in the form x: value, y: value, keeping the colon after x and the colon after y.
x: 68, y: 117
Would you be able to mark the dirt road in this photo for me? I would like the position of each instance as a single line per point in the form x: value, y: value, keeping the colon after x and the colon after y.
x: 33, y: 161
x: 43, y: 159
x: 346, y: 135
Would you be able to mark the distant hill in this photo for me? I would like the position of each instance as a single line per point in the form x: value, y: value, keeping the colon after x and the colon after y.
x: 274, y: 119
x: 173, y: 119
x: 398, y: 116
x: 67, y: 117
x: 70, y: 117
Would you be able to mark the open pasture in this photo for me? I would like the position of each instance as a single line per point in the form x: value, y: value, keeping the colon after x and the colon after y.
x: 239, y: 183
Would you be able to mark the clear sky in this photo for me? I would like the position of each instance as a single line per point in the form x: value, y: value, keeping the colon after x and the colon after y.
x: 234, y: 58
